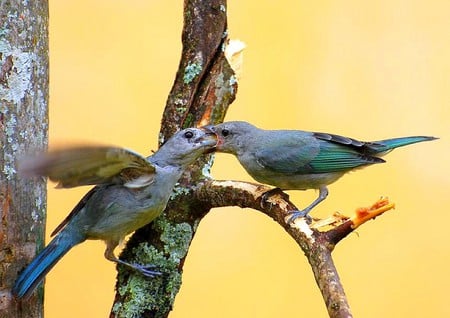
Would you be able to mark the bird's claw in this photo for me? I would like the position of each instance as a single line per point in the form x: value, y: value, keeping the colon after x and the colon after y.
x: 146, y: 270
x: 294, y: 215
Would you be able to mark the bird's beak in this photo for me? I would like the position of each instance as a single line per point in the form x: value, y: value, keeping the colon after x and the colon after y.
x: 219, y: 138
x: 211, y: 135
x: 209, y: 139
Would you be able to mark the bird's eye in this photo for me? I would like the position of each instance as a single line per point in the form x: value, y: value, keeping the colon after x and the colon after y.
x: 225, y: 132
x: 188, y: 134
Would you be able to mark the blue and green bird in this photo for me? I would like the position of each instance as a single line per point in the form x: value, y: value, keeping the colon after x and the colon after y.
x: 301, y: 160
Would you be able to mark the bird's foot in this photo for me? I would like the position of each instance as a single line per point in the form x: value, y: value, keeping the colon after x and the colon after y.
x: 294, y: 215
x: 275, y: 191
x: 146, y: 270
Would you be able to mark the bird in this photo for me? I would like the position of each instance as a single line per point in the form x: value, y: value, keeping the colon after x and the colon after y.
x: 300, y: 160
x: 130, y: 192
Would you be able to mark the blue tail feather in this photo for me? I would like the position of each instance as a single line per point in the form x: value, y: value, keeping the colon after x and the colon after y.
x: 383, y: 146
x: 35, y: 272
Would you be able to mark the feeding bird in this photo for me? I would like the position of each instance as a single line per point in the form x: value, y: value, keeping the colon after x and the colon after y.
x: 131, y: 192
x: 300, y: 160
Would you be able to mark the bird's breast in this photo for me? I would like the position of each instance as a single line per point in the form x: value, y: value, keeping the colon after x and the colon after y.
x: 295, y: 181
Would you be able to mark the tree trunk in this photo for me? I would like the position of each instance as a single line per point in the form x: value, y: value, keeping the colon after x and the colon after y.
x: 23, y: 129
x: 203, y: 88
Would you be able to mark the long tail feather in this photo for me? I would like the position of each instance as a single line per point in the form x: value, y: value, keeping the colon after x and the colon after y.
x: 382, y: 147
x: 35, y: 272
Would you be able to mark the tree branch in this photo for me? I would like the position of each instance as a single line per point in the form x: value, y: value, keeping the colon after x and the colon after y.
x: 204, y: 87
x: 204, y: 34
x: 317, y: 245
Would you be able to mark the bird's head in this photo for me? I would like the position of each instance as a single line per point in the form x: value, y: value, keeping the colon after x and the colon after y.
x: 233, y: 136
x: 186, y: 146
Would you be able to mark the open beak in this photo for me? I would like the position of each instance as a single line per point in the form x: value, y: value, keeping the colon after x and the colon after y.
x: 210, y: 133
x: 210, y: 138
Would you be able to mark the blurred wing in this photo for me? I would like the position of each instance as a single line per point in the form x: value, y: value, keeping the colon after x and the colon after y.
x: 314, y: 154
x: 89, y: 165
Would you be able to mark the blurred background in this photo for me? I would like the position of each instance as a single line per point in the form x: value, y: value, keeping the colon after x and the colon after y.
x: 369, y: 70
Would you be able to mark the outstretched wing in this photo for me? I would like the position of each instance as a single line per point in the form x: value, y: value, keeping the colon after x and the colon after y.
x: 307, y: 153
x: 88, y: 165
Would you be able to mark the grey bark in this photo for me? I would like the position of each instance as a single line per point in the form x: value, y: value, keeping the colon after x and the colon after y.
x: 23, y: 129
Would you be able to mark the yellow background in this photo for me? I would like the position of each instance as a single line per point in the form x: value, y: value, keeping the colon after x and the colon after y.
x: 369, y: 70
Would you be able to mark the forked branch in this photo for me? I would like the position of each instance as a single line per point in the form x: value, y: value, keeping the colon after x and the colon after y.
x: 204, y: 87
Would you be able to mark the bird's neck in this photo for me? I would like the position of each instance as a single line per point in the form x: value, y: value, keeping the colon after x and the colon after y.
x: 163, y: 160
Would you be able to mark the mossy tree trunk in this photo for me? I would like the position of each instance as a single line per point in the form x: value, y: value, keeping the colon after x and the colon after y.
x: 203, y: 88
x: 23, y: 129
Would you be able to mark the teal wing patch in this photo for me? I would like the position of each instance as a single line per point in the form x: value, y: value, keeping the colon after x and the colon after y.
x: 338, y: 153
x: 290, y: 155
x: 321, y: 154
x: 334, y: 158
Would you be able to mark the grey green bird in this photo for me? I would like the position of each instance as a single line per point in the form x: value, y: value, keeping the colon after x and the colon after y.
x: 131, y: 192
x: 300, y: 160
